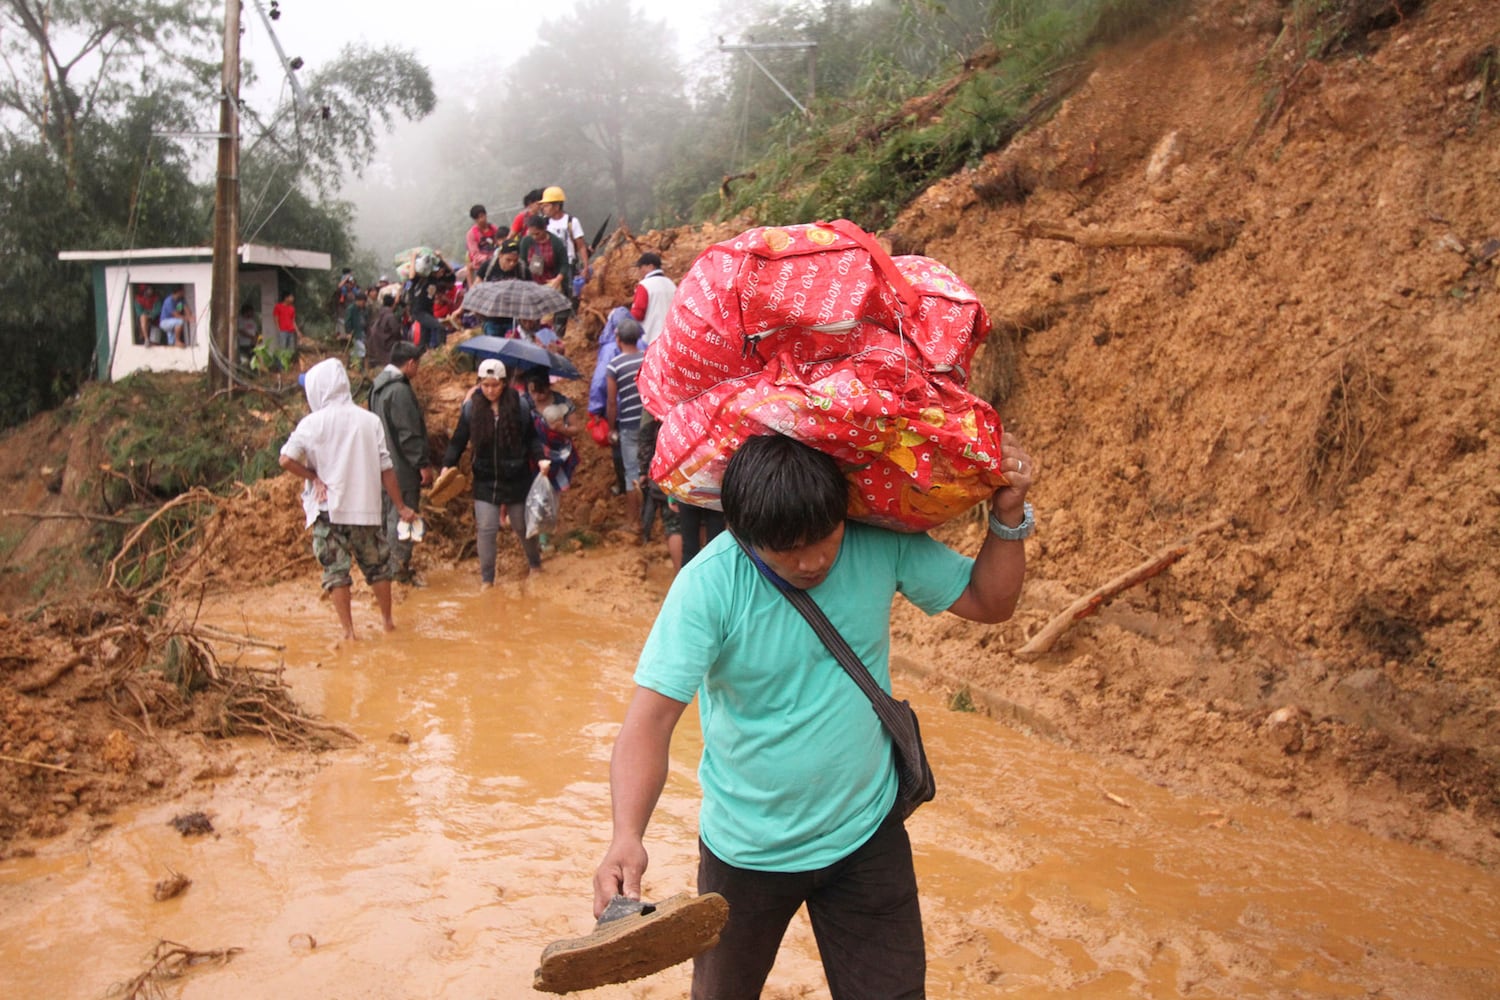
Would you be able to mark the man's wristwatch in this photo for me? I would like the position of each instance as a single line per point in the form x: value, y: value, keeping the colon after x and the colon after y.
x: 1020, y: 532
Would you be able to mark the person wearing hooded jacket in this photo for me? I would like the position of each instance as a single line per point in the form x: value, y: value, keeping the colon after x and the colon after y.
x: 339, y: 450
x: 506, y: 450
x: 394, y: 401
x: 385, y: 332
x: 599, y: 389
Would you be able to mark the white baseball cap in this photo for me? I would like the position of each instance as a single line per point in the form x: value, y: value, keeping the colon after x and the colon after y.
x: 492, y: 368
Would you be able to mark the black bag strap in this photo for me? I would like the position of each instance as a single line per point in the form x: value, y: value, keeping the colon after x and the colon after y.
x: 896, y: 719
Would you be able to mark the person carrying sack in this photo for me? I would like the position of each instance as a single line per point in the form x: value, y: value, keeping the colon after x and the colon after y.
x: 799, y: 776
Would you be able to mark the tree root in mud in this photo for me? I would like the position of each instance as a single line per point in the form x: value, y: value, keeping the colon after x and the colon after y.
x: 151, y: 556
x: 88, y: 688
x: 1216, y: 236
x: 243, y: 699
x: 1090, y: 603
x: 264, y: 705
x: 169, y: 961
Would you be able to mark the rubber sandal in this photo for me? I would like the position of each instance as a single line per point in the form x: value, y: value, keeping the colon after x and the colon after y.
x: 633, y: 939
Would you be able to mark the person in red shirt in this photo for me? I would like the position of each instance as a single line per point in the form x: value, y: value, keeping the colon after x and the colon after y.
x: 531, y: 203
x: 146, y: 303
x: 545, y: 256
x: 653, y: 297
x: 448, y: 306
x: 482, y: 242
x: 287, y: 332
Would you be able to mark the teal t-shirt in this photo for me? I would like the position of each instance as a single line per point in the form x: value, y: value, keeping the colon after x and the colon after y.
x: 797, y: 770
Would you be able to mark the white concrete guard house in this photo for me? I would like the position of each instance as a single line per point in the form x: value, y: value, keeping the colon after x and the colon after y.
x: 117, y: 274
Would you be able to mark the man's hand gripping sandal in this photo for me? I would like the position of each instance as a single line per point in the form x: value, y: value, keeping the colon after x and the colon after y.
x: 633, y: 939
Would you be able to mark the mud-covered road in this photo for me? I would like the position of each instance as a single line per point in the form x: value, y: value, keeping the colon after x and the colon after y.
x: 440, y: 856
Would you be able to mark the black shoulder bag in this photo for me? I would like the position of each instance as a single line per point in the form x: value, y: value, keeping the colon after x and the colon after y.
x: 915, y: 783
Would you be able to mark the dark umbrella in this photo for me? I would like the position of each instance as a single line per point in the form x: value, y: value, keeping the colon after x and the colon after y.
x: 600, y: 234
x: 516, y: 299
x: 524, y: 353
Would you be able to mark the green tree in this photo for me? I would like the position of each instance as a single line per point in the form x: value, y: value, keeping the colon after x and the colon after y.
x: 292, y: 172
x: 73, y: 63
x: 602, y: 97
x: 90, y: 91
x: 349, y: 104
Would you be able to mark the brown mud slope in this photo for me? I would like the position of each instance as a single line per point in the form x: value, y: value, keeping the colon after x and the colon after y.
x: 1326, y: 383
x: 1232, y: 290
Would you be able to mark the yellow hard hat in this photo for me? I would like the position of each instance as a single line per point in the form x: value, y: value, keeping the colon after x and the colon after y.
x: 552, y: 194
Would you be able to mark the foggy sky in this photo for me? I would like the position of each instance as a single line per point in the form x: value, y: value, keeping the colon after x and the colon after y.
x: 461, y: 41
x: 458, y: 37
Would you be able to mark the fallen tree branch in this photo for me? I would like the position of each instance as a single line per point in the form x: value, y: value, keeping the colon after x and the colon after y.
x: 31, y: 763
x: 170, y: 961
x: 1090, y: 604
x: 1218, y: 238
x: 211, y: 632
x: 49, y: 677
x: 196, y: 495
x: 60, y: 515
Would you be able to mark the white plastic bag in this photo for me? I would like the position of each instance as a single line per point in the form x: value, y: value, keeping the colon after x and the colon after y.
x: 541, y: 505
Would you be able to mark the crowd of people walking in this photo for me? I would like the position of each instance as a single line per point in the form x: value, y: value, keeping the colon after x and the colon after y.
x: 802, y: 806
x: 514, y: 425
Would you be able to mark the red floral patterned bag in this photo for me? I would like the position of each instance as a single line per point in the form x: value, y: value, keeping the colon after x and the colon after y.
x: 814, y: 332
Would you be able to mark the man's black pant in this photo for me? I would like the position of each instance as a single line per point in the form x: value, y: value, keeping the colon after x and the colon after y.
x: 865, y: 916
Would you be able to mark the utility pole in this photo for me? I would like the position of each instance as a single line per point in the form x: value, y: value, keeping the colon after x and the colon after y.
x: 225, y: 292
x: 811, y: 48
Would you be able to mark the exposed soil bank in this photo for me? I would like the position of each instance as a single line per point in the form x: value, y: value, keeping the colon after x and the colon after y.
x: 1324, y: 382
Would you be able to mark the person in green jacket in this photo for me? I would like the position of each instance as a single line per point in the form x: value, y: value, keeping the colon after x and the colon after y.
x: 394, y: 401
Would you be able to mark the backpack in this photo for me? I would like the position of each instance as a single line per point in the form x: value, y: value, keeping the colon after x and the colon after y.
x: 567, y: 238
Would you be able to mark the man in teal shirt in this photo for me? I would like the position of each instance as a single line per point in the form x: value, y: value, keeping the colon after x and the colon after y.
x: 798, y: 777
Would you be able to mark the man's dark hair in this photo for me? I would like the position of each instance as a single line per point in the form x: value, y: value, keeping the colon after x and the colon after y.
x: 403, y: 351
x: 536, y: 222
x: 779, y: 493
x: 388, y: 299
x: 476, y: 211
x: 539, y: 378
x: 532, y: 197
x: 648, y: 259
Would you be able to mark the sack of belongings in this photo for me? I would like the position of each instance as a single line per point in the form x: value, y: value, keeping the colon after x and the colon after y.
x: 813, y: 331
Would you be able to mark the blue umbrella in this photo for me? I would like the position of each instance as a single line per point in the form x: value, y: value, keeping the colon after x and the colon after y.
x: 522, y: 353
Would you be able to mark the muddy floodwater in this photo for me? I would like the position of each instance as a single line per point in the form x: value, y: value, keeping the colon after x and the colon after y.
x: 441, y: 855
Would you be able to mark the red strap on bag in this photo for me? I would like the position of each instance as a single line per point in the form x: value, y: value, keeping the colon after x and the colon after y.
x: 879, y: 258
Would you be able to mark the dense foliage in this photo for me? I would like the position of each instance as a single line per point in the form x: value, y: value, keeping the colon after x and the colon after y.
x: 92, y: 156
x: 874, y: 138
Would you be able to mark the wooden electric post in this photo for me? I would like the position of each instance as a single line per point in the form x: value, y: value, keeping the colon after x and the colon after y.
x: 224, y: 294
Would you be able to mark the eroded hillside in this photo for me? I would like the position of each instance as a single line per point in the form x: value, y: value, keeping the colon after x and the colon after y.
x: 1325, y: 382
x: 1241, y: 298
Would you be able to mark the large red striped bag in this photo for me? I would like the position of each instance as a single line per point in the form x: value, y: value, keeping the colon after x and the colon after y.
x: 815, y: 332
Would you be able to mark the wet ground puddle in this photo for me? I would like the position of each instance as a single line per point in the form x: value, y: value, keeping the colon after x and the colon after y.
x: 441, y: 866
